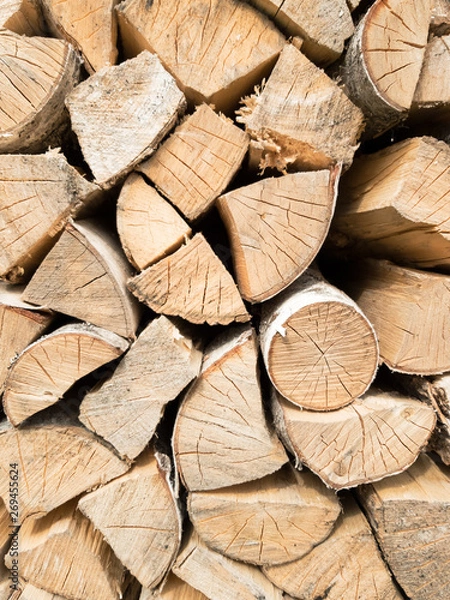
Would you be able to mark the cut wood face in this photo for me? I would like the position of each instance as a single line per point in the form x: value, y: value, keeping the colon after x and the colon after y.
x: 31, y: 592
x: 198, y: 161
x: 121, y: 114
x: 189, y: 38
x: 432, y: 88
x: 174, y: 589
x: 221, y: 437
x: 269, y: 521
x: 22, y: 16
x: 378, y: 435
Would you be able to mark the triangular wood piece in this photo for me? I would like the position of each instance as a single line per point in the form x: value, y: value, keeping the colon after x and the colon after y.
x: 146, y: 538
x: 56, y: 463
x: 158, y: 366
x: 46, y: 369
x: 269, y: 521
x: 191, y: 283
x: 174, y: 589
x: 276, y: 227
x: 84, y: 276
x: 378, y: 435
x: 222, y: 419
x: 121, y: 113
x: 302, y: 118
x: 23, y: 17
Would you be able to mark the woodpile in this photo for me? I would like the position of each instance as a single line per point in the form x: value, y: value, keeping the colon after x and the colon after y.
x: 224, y: 285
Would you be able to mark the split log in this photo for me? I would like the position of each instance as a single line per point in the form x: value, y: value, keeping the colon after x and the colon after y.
x: 31, y: 592
x: 56, y: 462
x: 394, y: 204
x: 217, y: 52
x: 174, y: 589
x: 269, y: 521
x: 378, y: 435
x: 36, y: 74
x: 84, y: 276
x: 22, y: 16
x: 194, y: 166
x: 46, y: 369
x: 138, y: 516
x: 91, y: 28
x: 319, y: 349
x: 433, y: 87
x: 384, y: 59
x: 301, y: 119
x: 149, y: 227
x: 126, y: 409
x: 410, y: 514
x: 276, y: 227
x: 221, y: 437
x: 7, y: 528
x: 121, y: 113
x: 217, y: 576
x: 348, y: 564
x: 409, y: 310
x: 191, y: 283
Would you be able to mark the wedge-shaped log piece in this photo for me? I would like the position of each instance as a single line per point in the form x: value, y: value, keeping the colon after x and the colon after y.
x: 31, y: 592
x: 410, y: 514
x: 301, y: 119
x: 216, y: 52
x: 84, y: 276
x: 276, y: 227
x: 121, y: 113
x: 348, y: 564
x: 394, y: 204
x: 174, y: 589
x: 323, y: 26
x: 269, y: 521
x: 36, y: 74
x: 319, y: 349
x: 138, y: 516
x: 433, y: 87
x: 46, y: 369
x: 62, y: 553
x: 221, y: 437
x: 22, y: 16
x: 409, y: 310
x: 158, y: 366
x: 90, y: 27
x: 384, y: 59
x: 378, y: 435
x: 56, y: 462
x: 191, y: 283
x: 198, y: 161
x: 149, y: 227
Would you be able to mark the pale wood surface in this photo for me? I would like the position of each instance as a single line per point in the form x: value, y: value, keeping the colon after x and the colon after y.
x: 276, y: 226
x: 440, y: 17
x: 84, y: 276
x: 31, y: 592
x: 198, y: 161
x: 191, y: 283
x: 215, y: 51
x: 173, y: 589
x: 302, y: 119
x: 22, y: 16
x: 433, y: 87
x: 158, y: 366
x: 121, y: 113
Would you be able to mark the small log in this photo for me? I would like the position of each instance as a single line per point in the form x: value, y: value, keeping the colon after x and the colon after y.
x: 301, y: 119
x: 269, y: 521
x: 378, y: 435
x: 138, y: 516
x: 36, y: 74
x: 276, y: 227
x: 121, y: 113
x: 433, y: 90
x: 191, y: 283
x: 216, y: 52
x: 174, y: 589
x: 221, y: 437
x: 149, y: 227
x: 217, y: 576
x: 394, y: 204
x: 409, y: 310
x: 410, y: 515
x: 384, y: 59
x: 194, y: 166
x: 56, y: 462
x: 158, y: 366
x: 90, y: 27
x: 22, y: 16
x: 84, y: 276
x: 46, y: 369
x: 319, y: 349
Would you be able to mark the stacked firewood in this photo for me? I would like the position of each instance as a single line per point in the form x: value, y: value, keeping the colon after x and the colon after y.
x: 225, y: 299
